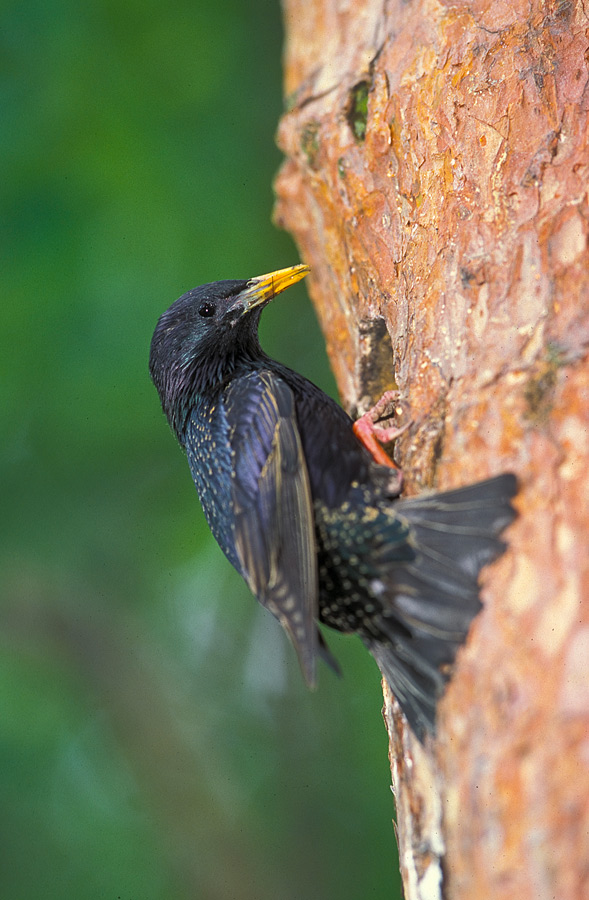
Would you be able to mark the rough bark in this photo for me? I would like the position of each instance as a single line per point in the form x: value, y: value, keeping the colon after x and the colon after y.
x: 436, y: 181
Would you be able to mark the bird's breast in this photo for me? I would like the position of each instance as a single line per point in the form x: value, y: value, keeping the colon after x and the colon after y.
x: 209, y: 455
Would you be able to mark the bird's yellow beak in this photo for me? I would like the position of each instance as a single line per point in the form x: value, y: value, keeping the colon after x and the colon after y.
x: 262, y: 289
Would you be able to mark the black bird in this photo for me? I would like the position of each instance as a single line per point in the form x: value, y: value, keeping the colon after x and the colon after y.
x: 304, y: 512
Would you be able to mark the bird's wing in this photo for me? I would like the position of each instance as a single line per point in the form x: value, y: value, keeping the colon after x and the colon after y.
x: 274, y: 524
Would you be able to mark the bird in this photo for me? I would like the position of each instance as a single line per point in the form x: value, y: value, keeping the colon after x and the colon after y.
x: 307, y: 514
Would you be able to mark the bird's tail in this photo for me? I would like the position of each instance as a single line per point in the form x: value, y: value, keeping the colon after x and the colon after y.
x: 435, y: 595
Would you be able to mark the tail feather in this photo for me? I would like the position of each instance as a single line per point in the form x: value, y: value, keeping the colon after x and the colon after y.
x: 326, y: 654
x: 435, y: 595
x: 416, y: 695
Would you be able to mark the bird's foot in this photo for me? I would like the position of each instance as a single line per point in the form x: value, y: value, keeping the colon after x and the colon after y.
x: 373, y: 436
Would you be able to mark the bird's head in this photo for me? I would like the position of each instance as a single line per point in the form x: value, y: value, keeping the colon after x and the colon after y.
x: 207, y: 335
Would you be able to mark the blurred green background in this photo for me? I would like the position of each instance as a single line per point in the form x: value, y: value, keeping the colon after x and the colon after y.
x: 156, y: 738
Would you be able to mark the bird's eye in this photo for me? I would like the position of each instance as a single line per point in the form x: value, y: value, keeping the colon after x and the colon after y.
x: 206, y: 310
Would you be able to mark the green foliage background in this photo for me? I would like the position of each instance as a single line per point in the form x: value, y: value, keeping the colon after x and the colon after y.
x: 156, y: 739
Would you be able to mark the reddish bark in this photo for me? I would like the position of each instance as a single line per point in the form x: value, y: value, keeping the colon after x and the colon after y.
x: 436, y: 176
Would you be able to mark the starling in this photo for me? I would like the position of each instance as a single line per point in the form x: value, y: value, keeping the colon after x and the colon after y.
x: 306, y: 514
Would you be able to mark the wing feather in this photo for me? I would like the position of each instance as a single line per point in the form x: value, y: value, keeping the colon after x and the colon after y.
x: 273, y: 509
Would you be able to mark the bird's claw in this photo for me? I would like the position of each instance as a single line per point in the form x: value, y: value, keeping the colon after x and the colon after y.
x: 373, y: 436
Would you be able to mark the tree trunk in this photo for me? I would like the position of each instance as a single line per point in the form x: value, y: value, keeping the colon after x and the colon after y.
x: 436, y: 182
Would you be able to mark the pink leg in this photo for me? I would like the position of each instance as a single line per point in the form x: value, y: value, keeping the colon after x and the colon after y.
x: 372, y: 436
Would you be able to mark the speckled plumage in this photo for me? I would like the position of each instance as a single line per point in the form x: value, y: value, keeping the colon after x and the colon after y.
x: 303, y: 512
